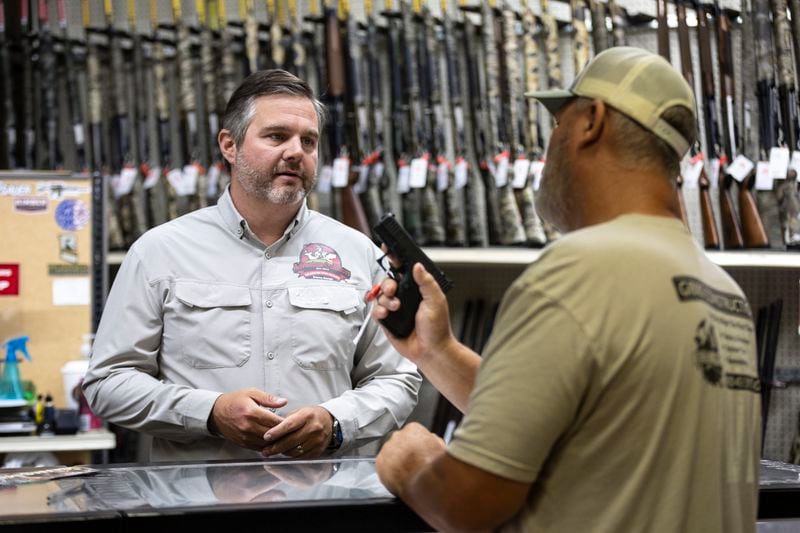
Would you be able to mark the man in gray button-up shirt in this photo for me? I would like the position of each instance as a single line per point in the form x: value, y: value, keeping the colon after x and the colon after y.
x: 236, y: 330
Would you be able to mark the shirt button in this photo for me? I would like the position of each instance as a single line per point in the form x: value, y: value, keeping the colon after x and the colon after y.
x: 270, y: 355
x: 239, y: 231
x: 269, y: 303
x: 267, y: 255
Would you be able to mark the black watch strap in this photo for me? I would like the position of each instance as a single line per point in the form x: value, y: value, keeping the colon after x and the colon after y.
x: 336, y: 436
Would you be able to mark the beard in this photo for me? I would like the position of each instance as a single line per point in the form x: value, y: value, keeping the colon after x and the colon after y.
x: 259, y: 182
x: 552, y: 198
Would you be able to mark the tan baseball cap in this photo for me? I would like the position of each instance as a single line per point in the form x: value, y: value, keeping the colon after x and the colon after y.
x: 635, y: 82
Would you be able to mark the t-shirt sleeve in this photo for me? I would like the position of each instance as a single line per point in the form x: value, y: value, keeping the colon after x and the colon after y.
x: 532, y: 379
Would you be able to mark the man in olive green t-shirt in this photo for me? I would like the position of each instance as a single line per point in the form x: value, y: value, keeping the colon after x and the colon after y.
x: 619, y: 390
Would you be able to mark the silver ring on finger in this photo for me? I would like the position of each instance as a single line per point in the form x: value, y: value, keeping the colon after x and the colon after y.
x: 299, y: 449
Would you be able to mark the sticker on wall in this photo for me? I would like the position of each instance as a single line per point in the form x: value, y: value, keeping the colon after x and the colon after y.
x: 14, y: 189
x: 59, y: 189
x: 68, y: 248
x: 9, y: 280
x: 68, y: 270
x: 72, y: 215
x: 31, y: 205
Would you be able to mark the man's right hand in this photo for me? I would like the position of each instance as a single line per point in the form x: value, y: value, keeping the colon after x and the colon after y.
x: 432, y: 333
x: 243, y: 416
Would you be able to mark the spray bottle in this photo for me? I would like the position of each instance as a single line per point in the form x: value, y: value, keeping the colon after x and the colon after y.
x: 10, y: 382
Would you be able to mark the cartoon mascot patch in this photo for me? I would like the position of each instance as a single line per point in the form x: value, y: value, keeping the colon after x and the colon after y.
x: 320, y: 261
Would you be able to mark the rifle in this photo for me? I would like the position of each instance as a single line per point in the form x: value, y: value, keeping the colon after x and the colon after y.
x: 361, y: 71
x: 618, y: 23
x: 468, y: 81
x: 500, y: 197
x: 209, y: 57
x: 99, y: 138
x: 710, y: 234
x: 788, y: 196
x: 54, y: 159
x: 534, y: 230
x: 72, y: 97
x: 396, y: 130
x: 453, y: 116
x: 580, y: 39
x: 412, y: 201
x: 432, y: 223
x: 601, y: 39
x: 664, y: 51
x: 352, y: 212
x: 663, y: 29
x: 752, y: 234
x: 30, y: 112
x: 555, y: 77
x: 8, y: 133
x: 134, y: 75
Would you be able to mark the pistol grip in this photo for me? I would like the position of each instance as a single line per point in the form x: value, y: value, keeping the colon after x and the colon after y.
x: 400, y: 323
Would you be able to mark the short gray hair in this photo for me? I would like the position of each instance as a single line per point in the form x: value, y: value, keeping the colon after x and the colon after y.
x: 241, y: 106
x: 637, y: 147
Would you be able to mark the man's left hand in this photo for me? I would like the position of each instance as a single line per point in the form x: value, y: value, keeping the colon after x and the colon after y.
x: 405, y: 453
x: 303, y: 434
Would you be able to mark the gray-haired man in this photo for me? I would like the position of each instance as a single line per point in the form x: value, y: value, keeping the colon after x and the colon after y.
x: 233, y: 331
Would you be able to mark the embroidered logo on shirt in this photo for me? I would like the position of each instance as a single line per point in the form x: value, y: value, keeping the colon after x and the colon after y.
x: 320, y: 261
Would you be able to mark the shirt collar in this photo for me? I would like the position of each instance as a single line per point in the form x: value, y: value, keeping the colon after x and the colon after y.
x: 237, y: 225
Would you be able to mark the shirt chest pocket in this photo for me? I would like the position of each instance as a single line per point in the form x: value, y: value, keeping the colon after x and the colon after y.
x: 325, y: 320
x: 213, y: 324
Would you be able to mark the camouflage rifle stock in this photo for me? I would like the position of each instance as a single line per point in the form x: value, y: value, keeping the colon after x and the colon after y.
x: 788, y: 196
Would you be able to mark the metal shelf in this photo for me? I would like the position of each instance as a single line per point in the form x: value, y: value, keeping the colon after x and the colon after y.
x: 100, y: 439
x: 523, y: 256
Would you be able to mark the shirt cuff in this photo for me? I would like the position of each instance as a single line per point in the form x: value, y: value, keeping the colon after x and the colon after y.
x: 200, y: 403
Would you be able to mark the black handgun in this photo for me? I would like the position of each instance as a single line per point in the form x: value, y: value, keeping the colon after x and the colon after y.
x: 403, y: 248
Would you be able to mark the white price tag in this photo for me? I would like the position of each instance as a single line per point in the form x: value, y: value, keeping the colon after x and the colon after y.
x: 324, y: 179
x: 537, y: 168
x: 174, y: 177
x: 691, y: 176
x: 461, y: 176
x: 442, y: 176
x: 764, y: 177
x: 189, y: 181
x: 153, y: 175
x: 521, y: 168
x: 378, y: 169
x: 779, y: 162
x: 740, y: 168
x: 125, y: 181
x: 794, y: 164
x: 212, y: 185
x: 341, y: 172
x: 713, y: 175
x: 501, y: 172
x: 403, y: 174
x: 419, y: 173
x: 363, y: 177
x: 77, y: 130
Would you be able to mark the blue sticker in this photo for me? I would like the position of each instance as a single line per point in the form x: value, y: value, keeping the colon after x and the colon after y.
x: 72, y: 215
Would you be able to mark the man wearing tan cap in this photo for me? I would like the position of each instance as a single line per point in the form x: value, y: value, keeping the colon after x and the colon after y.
x: 619, y: 390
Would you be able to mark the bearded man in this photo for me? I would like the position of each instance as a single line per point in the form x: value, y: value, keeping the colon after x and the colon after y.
x: 236, y: 331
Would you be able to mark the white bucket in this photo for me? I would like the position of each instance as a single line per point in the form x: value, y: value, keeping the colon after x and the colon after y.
x: 73, y: 373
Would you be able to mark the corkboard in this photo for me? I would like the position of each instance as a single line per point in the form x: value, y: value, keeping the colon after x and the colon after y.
x: 45, y: 229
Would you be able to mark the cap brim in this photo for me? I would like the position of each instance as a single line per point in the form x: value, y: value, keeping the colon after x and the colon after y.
x: 552, y: 100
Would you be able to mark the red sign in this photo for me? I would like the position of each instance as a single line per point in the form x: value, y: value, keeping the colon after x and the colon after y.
x: 9, y: 280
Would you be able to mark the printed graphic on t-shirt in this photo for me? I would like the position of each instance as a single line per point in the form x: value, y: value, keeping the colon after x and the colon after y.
x: 320, y: 261
x: 724, y: 344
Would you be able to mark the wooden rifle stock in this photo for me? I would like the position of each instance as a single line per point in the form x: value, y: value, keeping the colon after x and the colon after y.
x: 663, y: 29
x: 731, y: 232
x: 352, y: 211
x: 753, y: 231
x: 710, y: 235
